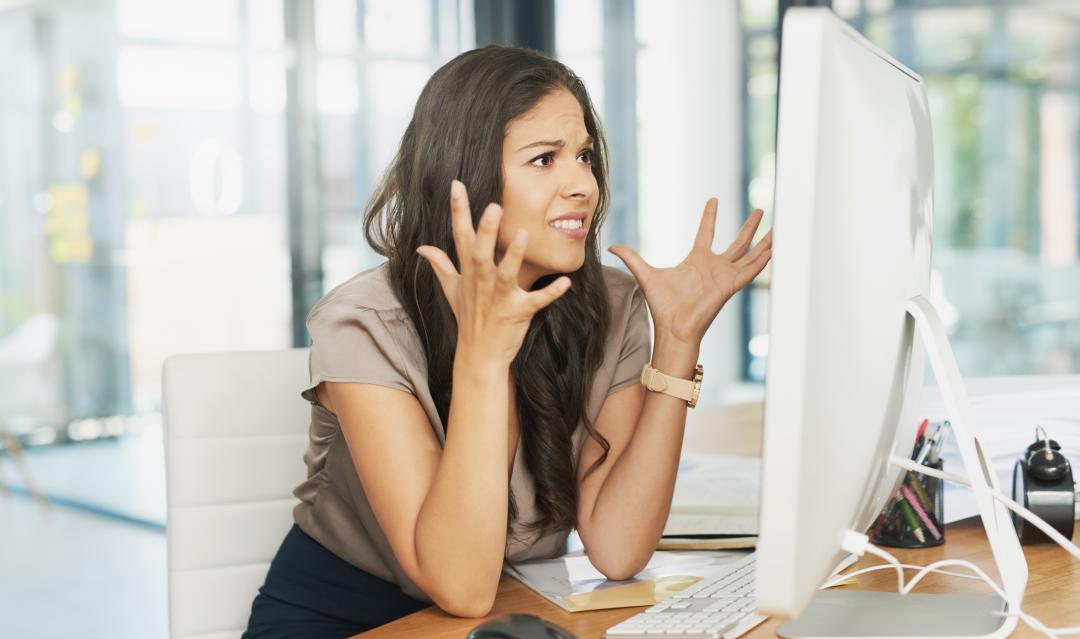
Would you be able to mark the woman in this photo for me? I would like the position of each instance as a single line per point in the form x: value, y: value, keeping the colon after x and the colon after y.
x: 477, y: 396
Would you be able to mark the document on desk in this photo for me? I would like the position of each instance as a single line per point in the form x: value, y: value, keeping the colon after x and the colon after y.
x: 715, y: 496
x: 1005, y: 425
x: 572, y: 583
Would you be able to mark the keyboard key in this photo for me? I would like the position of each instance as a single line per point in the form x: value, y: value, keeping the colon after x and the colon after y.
x: 709, y: 608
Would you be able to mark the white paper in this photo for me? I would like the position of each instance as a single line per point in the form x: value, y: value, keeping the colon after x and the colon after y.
x: 573, y: 574
x: 715, y: 495
x: 1005, y: 425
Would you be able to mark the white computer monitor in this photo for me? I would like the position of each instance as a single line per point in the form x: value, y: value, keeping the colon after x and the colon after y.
x: 852, y: 249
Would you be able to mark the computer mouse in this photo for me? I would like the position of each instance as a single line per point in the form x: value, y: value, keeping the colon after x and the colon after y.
x: 519, y: 626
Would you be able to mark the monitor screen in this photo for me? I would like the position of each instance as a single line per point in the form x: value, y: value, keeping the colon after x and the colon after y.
x: 852, y: 244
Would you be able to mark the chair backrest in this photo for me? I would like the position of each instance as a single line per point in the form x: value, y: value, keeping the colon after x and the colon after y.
x: 236, y: 430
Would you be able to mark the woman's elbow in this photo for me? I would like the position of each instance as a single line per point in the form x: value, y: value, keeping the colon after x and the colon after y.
x: 620, y: 564
x: 463, y: 601
x: 621, y: 573
x: 620, y: 569
x: 467, y: 607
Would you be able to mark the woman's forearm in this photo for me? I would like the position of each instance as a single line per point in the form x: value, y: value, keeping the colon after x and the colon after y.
x: 633, y: 504
x: 461, y: 528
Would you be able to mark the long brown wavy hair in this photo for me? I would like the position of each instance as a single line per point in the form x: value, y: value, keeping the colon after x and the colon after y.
x: 456, y: 132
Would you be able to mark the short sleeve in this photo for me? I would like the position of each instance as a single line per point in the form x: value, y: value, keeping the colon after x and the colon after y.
x: 353, y: 344
x: 635, y: 349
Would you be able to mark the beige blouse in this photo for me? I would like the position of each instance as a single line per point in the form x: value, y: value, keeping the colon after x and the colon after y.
x: 361, y: 333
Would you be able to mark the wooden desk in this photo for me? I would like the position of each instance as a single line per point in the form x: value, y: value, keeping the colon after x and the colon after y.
x: 1053, y: 592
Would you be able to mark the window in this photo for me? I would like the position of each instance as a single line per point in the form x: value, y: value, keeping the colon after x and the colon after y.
x: 145, y: 184
x: 1001, y: 81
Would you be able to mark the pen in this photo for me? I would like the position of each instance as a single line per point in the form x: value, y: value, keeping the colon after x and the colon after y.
x: 892, y: 521
x: 919, y: 511
x: 925, y: 452
x: 919, y: 437
x: 935, y: 451
x: 912, y: 520
x: 920, y: 492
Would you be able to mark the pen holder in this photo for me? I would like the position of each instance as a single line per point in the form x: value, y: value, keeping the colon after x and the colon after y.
x: 914, y: 517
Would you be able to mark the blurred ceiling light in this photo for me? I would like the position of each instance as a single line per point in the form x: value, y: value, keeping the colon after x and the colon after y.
x: 846, y: 9
x: 67, y: 78
x: 89, y: 163
x: 63, y: 121
x: 114, y: 425
x: 759, y: 346
x: 83, y: 429
x: 41, y: 436
x: 145, y: 132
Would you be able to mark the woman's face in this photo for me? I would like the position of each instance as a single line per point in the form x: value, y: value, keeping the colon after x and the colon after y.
x: 548, y: 186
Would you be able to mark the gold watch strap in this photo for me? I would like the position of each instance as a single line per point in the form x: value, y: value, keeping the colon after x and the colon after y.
x: 687, y: 390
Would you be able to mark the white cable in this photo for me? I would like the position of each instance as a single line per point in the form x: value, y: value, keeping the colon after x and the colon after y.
x: 1014, y: 607
x: 1024, y: 513
x: 842, y: 577
x: 874, y: 550
x: 954, y: 562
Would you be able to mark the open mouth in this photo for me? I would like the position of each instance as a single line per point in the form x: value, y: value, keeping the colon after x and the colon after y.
x: 571, y: 227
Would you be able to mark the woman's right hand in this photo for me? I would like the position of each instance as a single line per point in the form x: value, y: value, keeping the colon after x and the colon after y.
x: 493, y: 313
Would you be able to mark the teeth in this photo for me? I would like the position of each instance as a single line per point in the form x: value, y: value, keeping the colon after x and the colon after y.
x: 567, y: 224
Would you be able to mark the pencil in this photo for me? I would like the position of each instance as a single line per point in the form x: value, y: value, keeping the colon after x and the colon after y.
x: 910, y: 498
x: 912, y: 520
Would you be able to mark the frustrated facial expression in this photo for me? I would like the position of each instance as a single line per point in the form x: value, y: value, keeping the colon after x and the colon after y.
x: 548, y: 186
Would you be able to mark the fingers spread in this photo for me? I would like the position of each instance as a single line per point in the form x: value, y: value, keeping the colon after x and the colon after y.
x: 443, y: 267
x: 638, y: 267
x: 763, y: 245
x: 483, y: 250
x: 510, y: 265
x: 746, y: 234
x: 754, y: 268
x: 548, y: 294
x: 461, y: 219
x: 707, y: 227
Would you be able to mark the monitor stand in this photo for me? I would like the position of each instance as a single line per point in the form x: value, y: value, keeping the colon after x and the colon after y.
x: 840, y: 613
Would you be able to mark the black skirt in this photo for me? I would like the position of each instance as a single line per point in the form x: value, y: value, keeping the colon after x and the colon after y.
x: 311, y: 592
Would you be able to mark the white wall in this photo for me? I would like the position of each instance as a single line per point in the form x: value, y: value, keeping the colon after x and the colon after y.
x: 689, y: 147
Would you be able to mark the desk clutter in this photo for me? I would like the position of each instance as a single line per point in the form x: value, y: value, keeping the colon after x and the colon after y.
x: 715, y: 504
x: 1043, y: 483
x: 1005, y: 412
x: 915, y: 516
x: 572, y: 583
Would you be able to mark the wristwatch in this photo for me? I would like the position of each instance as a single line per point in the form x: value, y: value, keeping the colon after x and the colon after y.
x: 685, y: 389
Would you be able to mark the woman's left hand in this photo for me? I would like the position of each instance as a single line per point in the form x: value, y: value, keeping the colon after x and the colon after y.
x: 685, y: 299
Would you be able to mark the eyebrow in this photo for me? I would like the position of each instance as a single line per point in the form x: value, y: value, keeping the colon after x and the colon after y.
x: 555, y: 143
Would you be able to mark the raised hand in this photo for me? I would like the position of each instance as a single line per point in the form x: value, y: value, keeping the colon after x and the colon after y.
x: 685, y: 299
x: 492, y: 311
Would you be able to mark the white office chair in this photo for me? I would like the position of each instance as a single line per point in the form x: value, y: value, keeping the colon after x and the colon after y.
x: 236, y: 430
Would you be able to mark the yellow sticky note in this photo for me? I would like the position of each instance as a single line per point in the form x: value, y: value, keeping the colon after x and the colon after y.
x: 640, y: 593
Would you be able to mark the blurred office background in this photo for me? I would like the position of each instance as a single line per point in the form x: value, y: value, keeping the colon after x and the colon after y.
x: 190, y: 176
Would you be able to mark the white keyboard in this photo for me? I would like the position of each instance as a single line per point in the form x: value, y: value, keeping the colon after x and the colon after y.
x: 720, y: 606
